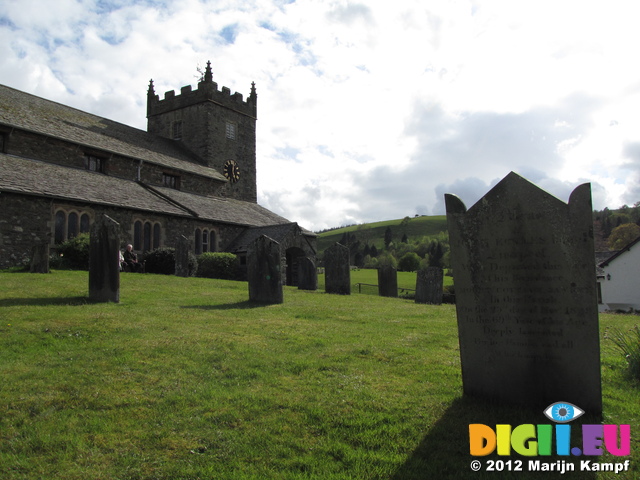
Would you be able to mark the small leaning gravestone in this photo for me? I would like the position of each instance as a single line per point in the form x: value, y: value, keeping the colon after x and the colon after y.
x: 524, y: 274
x: 429, y: 285
x: 387, y: 281
x: 182, y: 257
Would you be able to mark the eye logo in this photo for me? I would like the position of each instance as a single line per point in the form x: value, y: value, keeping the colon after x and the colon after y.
x: 563, y: 412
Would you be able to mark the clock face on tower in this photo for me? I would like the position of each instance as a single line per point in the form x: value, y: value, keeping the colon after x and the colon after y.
x: 231, y: 171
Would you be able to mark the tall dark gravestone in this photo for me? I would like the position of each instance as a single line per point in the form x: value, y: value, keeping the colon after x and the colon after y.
x: 429, y: 283
x: 387, y: 281
x: 524, y: 274
x: 39, y: 259
x: 104, y: 261
x: 307, y: 274
x: 182, y: 257
x: 337, y: 272
x: 264, y: 271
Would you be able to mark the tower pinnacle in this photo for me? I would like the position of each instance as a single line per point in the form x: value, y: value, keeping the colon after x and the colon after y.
x: 208, y: 75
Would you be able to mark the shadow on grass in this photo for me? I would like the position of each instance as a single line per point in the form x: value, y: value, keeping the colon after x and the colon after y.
x: 244, y: 305
x: 43, y: 302
x: 444, y: 451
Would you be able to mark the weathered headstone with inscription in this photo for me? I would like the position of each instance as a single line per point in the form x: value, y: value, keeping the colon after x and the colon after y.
x: 182, y: 257
x: 526, y: 295
x: 429, y: 285
x: 307, y: 274
x: 104, y: 261
x: 39, y: 259
x: 337, y: 272
x: 387, y: 281
x: 264, y: 271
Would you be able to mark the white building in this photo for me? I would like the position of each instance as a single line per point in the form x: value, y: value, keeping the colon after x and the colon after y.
x: 619, y: 285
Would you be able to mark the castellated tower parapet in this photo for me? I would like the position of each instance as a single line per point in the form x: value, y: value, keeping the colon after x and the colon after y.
x: 216, y: 125
x: 207, y: 91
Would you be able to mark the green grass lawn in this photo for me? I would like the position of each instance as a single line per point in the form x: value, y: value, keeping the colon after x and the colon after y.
x: 186, y: 379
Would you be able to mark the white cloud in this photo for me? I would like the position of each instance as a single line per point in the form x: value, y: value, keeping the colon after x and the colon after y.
x: 367, y: 110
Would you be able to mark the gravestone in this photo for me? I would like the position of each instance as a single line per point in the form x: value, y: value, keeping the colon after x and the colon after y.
x: 429, y: 285
x: 104, y: 261
x: 182, y: 257
x: 307, y: 274
x: 39, y: 259
x: 264, y: 270
x: 337, y: 272
x: 526, y: 295
x: 387, y: 281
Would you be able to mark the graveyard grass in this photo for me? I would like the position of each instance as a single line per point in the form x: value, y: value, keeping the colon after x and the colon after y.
x: 186, y: 379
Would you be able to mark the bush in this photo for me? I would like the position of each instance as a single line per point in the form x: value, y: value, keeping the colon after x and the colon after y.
x: 410, y: 262
x: 387, y: 260
x: 74, y: 253
x: 221, y: 265
x: 163, y: 261
x: 629, y: 345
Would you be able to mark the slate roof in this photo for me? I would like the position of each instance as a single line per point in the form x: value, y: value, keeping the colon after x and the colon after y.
x: 615, y: 255
x: 28, y: 112
x: 34, y: 177
x: 275, y: 232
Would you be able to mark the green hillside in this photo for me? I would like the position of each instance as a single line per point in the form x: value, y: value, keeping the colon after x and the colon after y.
x: 373, y: 233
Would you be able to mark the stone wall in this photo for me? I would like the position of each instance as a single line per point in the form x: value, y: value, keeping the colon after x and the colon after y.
x: 25, y: 222
x: 28, y: 221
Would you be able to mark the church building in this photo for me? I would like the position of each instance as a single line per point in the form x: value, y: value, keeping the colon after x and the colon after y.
x: 192, y: 173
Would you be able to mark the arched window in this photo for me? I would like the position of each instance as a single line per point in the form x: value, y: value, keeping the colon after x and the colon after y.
x: 85, y: 223
x: 205, y: 241
x: 60, y: 226
x: 72, y: 225
x: 137, y: 235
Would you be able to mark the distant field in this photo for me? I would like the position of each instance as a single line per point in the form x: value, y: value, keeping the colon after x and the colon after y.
x: 187, y: 379
x: 417, y: 228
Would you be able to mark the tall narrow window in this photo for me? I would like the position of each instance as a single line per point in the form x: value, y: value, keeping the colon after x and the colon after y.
x: 72, y: 225
x: 3, y: 141
x: 231, y: 131
x: 205, y: 241
x: 85, y: 223
x: 176, y: 130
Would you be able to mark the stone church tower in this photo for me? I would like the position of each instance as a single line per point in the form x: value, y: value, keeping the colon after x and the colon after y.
x: 219, y: 127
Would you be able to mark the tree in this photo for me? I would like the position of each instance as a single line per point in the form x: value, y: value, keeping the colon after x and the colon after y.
x: 388, y: 237
x: 410, y: 262
x: 623, y: 235
x: 404, y: 239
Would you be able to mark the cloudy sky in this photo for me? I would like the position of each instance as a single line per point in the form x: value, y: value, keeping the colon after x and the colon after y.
x: 367, y: 110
